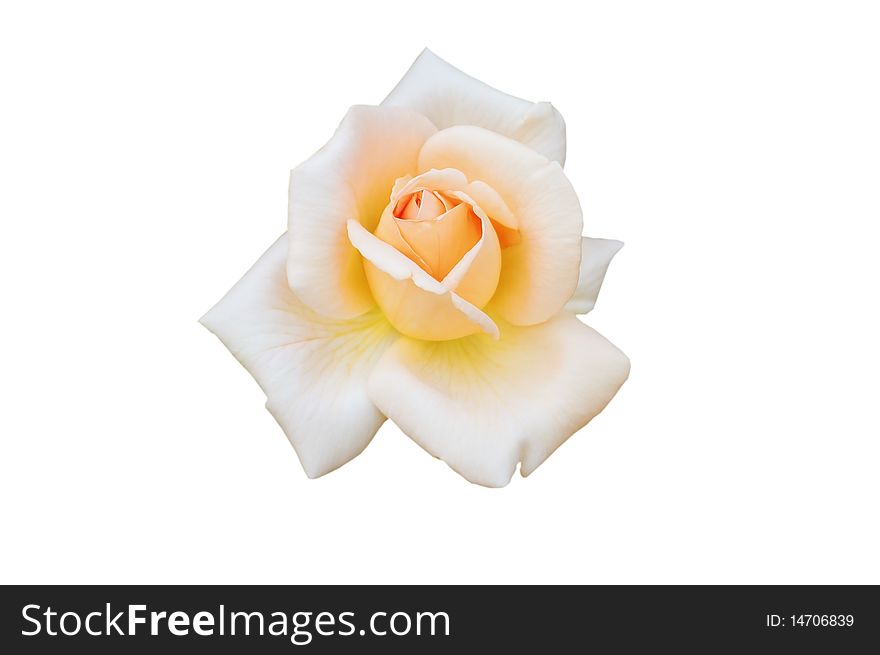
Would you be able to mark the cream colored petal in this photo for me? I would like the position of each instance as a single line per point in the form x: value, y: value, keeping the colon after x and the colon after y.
x: 351, y: 177
x: 482, y: 406
x: 312, y: 369
x: 480, y: 194
x: 433, y: 179
x: 492, y: 203
x: 450, y: 97
x: 597, y: 254
x: 413, y: 301
x: 540, y: 273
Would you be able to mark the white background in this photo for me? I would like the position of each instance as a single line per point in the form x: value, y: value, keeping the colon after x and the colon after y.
x: 734, y: 147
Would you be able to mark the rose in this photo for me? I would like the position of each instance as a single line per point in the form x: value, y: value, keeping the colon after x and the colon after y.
x: 431, y: 274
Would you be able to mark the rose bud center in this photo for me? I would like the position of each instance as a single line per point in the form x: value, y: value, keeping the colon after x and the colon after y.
x: 437, y: 228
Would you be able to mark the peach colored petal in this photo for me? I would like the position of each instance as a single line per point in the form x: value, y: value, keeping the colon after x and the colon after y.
x: 443, y: 241
x: 475, y: 276
x: 505, y: 223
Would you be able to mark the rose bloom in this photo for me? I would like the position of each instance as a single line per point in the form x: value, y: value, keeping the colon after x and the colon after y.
x: 431, y: 273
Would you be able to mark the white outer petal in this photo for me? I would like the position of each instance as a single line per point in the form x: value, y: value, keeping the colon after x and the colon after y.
x: 351, y: 177
x: 449, y: 97
x: 595, y: 258
x: 482, y: 405
x: 313, y: 369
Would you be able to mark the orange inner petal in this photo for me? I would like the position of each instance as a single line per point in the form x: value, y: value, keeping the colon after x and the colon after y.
x: 439, y: 230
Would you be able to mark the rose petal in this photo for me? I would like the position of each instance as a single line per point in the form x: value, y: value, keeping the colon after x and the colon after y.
x: 483, y: 405
x: 450, y: 97
x: 313, y: 369
x: 505, y: 223
x: 475, y: 276
x: 597, y: 254
x: 414, y: 302
x: 443, y: 240
x: 350, y: 177
x: 540, y: 273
